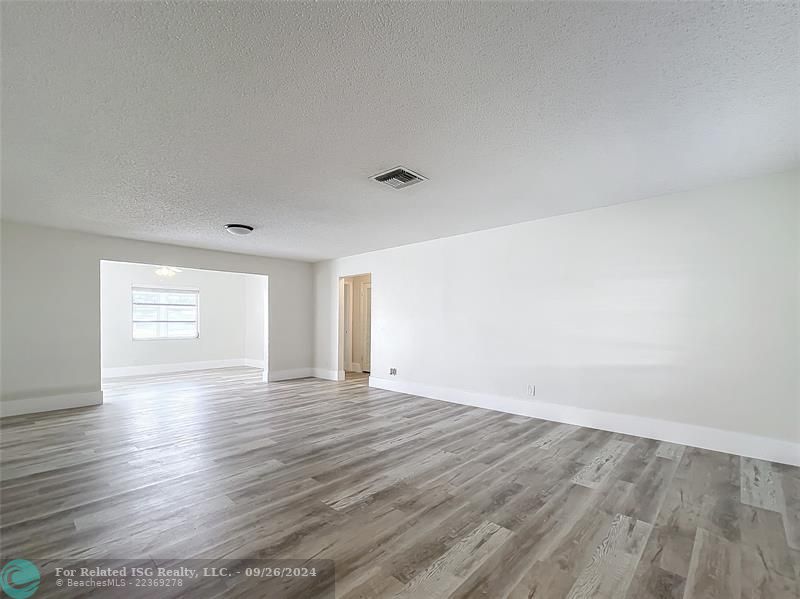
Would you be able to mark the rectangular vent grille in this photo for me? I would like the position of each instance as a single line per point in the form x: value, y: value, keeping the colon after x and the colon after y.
x: 398, y: 178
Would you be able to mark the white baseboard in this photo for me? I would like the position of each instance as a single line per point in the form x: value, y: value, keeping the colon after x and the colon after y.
x: 733, y: 442
x: 119, y: 371
x: 294, y: 373
x: 328, y: 375
x: 48, y: 403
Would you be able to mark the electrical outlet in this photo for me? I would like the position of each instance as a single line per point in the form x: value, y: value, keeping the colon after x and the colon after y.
x: 532, y: 390
x: 393, y: 371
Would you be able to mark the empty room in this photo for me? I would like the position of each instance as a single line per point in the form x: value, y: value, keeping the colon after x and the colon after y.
x: 425, y: 300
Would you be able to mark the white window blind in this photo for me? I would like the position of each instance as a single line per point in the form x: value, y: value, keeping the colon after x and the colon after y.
x: 165, y: 313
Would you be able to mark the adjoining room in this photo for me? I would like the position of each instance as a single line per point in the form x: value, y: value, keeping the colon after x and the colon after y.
x: 159, y: 319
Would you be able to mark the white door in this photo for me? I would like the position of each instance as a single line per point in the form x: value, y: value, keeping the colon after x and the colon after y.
x: 348, y: 325
x: 366, y: 325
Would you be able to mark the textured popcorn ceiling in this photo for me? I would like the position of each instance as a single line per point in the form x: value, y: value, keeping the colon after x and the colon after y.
x: 165, y: 121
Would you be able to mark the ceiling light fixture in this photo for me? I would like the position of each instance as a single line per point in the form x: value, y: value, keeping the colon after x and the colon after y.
x: 235, y: 229
x: 167, y: 271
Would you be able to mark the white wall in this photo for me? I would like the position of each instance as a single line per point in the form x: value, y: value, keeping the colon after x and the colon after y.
x: 256, y: 319
x: 51, y: 310
x: 231, y: 324
x: 674, y: 317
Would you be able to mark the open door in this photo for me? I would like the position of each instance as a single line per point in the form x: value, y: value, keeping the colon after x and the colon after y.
x: 366, y: 325
x: 348, y: 325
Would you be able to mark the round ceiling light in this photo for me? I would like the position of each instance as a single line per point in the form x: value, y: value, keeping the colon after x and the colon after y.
x: 235, y: 229
x: 167, y: 271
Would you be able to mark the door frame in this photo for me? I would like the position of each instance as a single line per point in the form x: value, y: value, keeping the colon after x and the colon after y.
x: 346, y: 361
x: 366, y: 331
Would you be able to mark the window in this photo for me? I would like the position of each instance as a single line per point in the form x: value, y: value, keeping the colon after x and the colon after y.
x: 164, y: 313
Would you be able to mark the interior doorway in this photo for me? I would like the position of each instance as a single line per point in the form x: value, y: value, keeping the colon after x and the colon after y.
x: 355, y: 326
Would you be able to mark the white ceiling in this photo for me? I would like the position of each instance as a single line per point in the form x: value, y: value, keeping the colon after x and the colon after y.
x: 165, y: 121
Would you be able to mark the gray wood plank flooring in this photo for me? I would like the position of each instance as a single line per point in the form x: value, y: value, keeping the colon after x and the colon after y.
x: 410, y: 497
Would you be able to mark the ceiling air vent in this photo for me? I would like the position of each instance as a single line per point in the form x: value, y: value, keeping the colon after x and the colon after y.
x: 398, y: 177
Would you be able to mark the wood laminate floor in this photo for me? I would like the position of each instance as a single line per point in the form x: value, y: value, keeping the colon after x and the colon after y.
x: 411, y: 497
